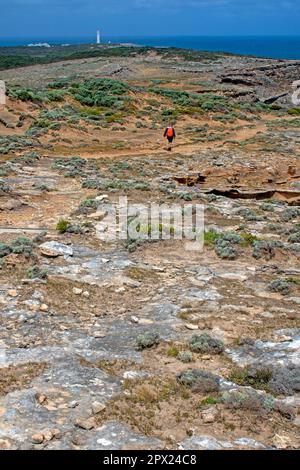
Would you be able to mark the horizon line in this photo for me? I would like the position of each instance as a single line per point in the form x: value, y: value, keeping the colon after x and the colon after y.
x: 152, y: 36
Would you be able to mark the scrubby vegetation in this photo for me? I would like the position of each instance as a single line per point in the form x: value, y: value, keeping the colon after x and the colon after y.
x: 19, y: 246
x: 205, y: 344
x: 185, y: 357
x: 35, y: 272
x: 12, y: 57
x: 199, y: 381
x: 103, y: 92
x: 226, y: 243
x: 280, y: 285
x: 147, y: 340
x: 62, y: 226
x: 278, y: 380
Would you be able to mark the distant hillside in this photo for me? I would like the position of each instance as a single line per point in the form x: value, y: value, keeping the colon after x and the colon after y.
x: 22, y: 56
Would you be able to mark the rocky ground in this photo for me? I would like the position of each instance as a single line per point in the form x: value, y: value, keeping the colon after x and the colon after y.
x: 141, y: 344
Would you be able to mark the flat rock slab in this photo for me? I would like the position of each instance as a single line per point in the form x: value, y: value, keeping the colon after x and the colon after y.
x: 89, y: 266
x: 201, y: 295
x: 116, y: 436
x: 211, y: 443
x: 266, y: 352
x: 69, y: 389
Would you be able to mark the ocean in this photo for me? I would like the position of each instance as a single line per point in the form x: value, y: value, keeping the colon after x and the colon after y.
x: 277, y: 47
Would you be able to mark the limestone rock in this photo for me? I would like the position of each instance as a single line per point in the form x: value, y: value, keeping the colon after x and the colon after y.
x: 191, y: 326
x: 12, y: 293
x: 44, y: 308
x: 209, y: 415
x: 98, y: 216
x: 86, y: 424
x: 134, y: 319
x: 37, y: 438
x: 99, y: 334
x: 97, y: 407
x: 54, y: 249
x: 77, y: 291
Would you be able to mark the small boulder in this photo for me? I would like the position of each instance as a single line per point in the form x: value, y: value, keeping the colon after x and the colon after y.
x: 191, y: 326
x: 12, y: 293
x: 97, y: 407
x: 44, y: 308
x: 209, y: 415
x: 86, y: 424
x: 77, y: 291
x: 98, y: 215
x: 37, y: 438
x: 54, y: 249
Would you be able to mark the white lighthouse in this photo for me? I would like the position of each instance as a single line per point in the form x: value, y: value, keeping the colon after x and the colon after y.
x: 98, y: 37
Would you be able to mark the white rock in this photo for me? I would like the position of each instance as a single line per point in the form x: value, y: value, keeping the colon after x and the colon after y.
x: 131, y: 375
x: 77, y: 291
x: 190, y: 326
x: 97, y: 407
x: 54, y: 249
x: 99, y: 334
x: 101, y: 228
x: 44, y: 308
x: 209, y: 415
x: 101, y: 198
x: 73, y: 404
x: 267, y: 315
x: 98, y: 215
x: 145, y: 321
x: 233, y: 276
x: 134, y: 319
x: 104, y: 442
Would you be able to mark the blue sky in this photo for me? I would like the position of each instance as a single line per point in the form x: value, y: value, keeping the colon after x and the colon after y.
x: 45, y: 18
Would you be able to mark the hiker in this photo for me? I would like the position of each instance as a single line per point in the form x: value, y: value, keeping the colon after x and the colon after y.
x: 170, y: 134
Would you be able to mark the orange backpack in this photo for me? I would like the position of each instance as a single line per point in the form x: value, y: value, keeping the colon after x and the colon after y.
x: 170, y: 132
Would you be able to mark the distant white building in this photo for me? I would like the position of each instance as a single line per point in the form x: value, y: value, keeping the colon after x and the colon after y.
x: 98, y: 37
x: 39, y: 44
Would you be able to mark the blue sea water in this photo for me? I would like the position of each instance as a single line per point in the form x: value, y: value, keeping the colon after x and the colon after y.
x: 278, y: 47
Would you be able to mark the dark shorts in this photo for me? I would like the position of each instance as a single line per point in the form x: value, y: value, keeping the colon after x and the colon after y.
x: 170, y: 139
